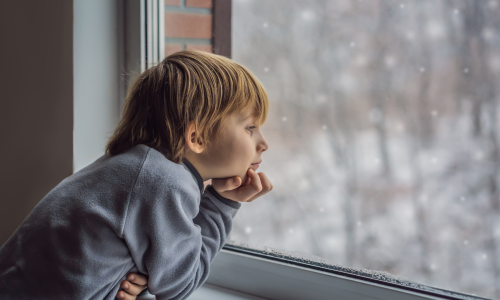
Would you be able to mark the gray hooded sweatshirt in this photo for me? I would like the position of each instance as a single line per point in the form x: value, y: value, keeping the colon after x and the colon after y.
x: 132, y: 212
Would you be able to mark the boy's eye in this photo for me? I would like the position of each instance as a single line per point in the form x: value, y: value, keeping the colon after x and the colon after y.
x: 251, y: 127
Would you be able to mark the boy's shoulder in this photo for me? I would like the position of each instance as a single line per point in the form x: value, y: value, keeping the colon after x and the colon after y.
x: 160, y: 177
x: 142, y: 165
x: 160, y: 170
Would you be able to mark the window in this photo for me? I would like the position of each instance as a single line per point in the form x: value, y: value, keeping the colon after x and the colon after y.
x: 383, y: 134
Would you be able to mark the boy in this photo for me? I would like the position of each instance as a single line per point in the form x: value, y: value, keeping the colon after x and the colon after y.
x: 142, y: 207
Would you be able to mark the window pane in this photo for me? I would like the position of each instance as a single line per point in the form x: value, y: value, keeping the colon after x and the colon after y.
x: 383, y: 135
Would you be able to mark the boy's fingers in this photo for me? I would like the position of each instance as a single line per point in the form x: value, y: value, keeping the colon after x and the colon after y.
x: 244, y: 193
x: 247, y: 180
x: 266, y: 183
x: 125, y: 296
x: 266, y: 187
x: 130, y: 288
x: 255, y: 180
x: 137, y: 278
x: 226, y: 184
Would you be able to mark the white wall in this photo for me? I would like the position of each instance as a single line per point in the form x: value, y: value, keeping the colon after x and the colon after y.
x: 96, y: 80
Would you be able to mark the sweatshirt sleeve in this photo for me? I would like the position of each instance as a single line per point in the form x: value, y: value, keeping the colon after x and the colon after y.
x: 172, y: 233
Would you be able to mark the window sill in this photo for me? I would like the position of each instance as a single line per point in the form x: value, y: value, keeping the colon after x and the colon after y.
x: 211, y: 292
x: 275, y: 278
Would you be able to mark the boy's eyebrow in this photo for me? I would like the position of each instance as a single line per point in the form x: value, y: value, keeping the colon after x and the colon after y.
x: 247, y: 117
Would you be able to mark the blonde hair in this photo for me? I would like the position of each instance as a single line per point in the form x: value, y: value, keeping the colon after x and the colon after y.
x: 186, y: 86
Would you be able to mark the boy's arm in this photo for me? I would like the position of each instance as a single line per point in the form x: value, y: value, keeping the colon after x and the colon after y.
x: 171, y: 237
x: 215, y: 212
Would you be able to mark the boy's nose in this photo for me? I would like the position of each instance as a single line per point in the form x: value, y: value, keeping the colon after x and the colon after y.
x: 264, y: 144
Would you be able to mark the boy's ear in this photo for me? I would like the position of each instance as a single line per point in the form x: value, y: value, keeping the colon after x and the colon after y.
x: 195, y: 146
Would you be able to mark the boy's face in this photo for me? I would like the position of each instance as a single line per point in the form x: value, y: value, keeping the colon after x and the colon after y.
x: 239, y: 145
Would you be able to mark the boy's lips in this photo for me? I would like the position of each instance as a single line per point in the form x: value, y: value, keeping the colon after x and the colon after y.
x: 256, y: 165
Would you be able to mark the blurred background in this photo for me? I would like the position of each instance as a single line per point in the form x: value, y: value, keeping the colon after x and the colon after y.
x: 383, y: 134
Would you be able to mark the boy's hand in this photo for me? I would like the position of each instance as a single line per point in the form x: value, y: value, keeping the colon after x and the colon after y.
x: 132, y: 287
x: 256, y: 185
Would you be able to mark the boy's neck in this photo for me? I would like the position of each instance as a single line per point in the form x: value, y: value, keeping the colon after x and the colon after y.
x: 199, y: 170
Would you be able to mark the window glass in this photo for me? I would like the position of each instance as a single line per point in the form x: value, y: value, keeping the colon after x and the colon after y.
x: 383, y: 135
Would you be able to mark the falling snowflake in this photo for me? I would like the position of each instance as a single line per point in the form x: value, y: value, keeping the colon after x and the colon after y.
x: 264, y: 25
x: 284, y: 119
x: 353, y: 44
x: 307, y: 15
x: 435, y: 30
x: 488, y: 33
x: 422, y: 69
x: 466, y: 242
x: 248, y: 230
x: 321, y: 209
x: 390, y: 61
x: 324, y: 127
x: 402, y: 5
x: 266, y: 69
x: 434, y: 113
x: 466, y: 70
x: 479, y: 155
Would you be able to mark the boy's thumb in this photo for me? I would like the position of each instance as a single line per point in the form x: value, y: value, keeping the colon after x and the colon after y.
x: 226, y: 184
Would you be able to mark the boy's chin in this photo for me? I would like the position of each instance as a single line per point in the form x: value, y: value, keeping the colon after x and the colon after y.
x: 244, y: 178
